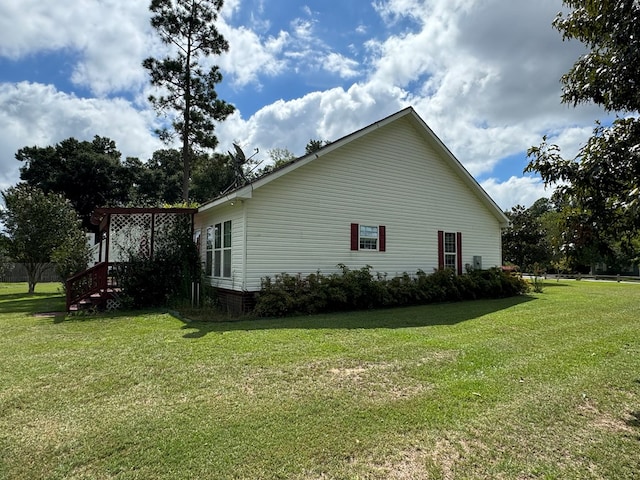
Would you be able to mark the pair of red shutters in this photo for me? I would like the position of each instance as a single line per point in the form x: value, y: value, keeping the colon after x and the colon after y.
x: 382, y: 244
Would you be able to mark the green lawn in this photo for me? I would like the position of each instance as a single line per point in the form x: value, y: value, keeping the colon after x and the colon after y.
x: 543, y: 386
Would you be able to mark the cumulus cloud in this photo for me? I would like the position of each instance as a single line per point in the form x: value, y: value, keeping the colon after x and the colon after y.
x: 250, y: 56
x: 109, y: 38
x: 343, y: 66
x: 515, y: 191
x: 326, y: 115
x: 36, y: 114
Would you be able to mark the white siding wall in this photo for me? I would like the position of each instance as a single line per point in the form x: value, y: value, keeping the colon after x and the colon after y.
x: 300, y: 222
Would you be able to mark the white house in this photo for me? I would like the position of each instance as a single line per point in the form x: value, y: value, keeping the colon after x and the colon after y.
x: 390, y: 195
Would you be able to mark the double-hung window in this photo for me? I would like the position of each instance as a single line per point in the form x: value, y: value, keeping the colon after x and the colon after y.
x: 368, y: 237
x: 222, y: 250
x: 450, y: 250
x: 218, y: 250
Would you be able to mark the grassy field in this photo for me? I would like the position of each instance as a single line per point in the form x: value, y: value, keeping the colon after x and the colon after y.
x: 543, y: 386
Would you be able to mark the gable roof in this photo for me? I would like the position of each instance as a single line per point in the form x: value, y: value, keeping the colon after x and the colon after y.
x: 245, y: 191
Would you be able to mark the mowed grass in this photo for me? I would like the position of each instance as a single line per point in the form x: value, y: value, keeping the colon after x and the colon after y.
x: 540, y: 386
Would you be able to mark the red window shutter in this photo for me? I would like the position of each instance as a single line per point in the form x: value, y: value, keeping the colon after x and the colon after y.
x: 459, y: 251
x: 382, y: 240
x: 354, y: 236
x: 440, y: 249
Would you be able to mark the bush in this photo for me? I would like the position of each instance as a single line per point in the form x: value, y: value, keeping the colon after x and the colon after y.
x: 167, y: 276
x: 287, y: 294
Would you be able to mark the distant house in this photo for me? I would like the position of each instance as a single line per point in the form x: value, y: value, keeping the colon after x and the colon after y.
x: 390, y: 195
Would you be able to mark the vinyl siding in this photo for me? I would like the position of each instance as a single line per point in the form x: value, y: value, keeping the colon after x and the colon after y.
x: 300, y: 222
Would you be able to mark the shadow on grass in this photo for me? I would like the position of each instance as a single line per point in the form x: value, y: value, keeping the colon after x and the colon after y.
x: 31, y: 303
x: 553, y: 283
x: 403, y: 317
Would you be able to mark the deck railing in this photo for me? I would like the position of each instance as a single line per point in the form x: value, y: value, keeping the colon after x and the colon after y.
x: 84, y: 284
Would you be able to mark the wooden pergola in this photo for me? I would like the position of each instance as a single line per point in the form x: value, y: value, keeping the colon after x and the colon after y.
x: 120, y: 231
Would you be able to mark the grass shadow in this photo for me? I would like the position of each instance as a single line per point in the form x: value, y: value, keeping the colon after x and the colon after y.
x: 31, y: 303
x: 553, y: 283
x: 393, y: 318
x: 90, y: 315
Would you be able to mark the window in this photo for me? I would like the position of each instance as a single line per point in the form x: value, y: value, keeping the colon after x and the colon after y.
x: 217, y: 250
x: 450, y: 251
x: 368, y: 237
x: 197, y: 234
x: 226, y: 250
x: 221, y: 250
x: 208, y: 265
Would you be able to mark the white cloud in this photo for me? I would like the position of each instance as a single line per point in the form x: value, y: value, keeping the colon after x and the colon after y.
x: 325, y: 115
x: 36, y: 114
x: 111, y: 38
x: 303, y: 28
x: 515, y: 191
x: 251, y: 57
x: 343, y: 66
x: 23, y: 34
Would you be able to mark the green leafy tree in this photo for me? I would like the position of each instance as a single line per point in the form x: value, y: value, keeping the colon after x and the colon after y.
x: 525, y: 242
x: 315, y: 145
x: 158, y: 180
x: 212, y: 174
x: 602, y: 183
x: 72, y: 255
x: 281, y: 156
x: 188, y: 89
x: 88, y: 174
x: 37, y: 227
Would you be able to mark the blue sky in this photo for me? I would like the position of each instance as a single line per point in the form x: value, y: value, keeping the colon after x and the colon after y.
x: 484, y: 74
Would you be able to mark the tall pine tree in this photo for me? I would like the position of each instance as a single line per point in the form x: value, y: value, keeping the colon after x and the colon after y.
x: 188, y: 90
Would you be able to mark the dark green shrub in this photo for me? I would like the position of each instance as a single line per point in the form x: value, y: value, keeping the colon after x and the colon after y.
x: 167, y: 276
x: 274, y: 299
x: 359, y: 289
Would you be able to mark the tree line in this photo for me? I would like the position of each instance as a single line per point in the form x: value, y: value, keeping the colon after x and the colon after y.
x: 555, y: 236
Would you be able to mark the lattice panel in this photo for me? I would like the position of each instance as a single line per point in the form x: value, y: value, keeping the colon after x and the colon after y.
x: 129, y: 235
x: 164, y: 222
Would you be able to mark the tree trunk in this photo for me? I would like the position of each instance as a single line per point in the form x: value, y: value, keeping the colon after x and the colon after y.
x: 186, y: 119
x: 34, y: 272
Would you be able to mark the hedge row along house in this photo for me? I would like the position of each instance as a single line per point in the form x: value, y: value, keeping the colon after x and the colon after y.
x: 390, y: 196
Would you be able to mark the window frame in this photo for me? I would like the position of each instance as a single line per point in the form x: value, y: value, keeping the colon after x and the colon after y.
x: 368, y: 236
x: 221, y: 250
x: 208, y: 262
x: 450, y: 251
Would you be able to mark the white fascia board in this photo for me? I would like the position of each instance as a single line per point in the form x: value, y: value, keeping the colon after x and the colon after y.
x: 242, y: 194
